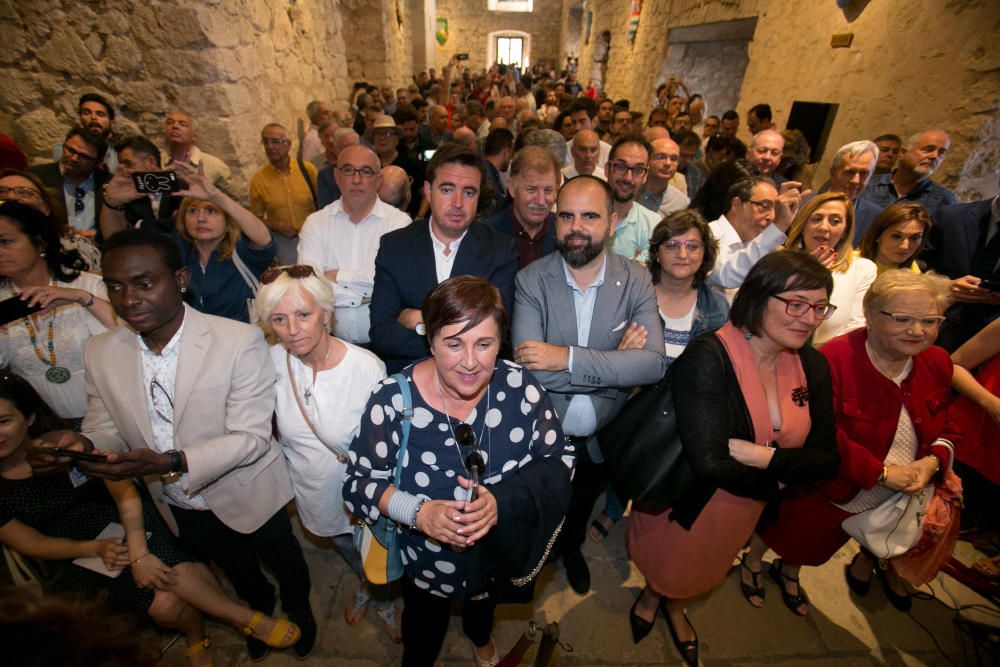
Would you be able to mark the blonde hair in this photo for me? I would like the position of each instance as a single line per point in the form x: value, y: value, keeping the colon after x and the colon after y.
x: 844, y: 249
x: 894, y: 282
x: 270, y: 294
x: 229, y: 238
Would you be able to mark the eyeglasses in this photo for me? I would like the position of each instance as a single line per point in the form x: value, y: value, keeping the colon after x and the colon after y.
x: 268, y: 141
x: 163, y: 405
x: 763, y: 206
x: 619, y: 168
x: 78, y: 201
x: 22, y: 192
x: 798, y: 308
x: 365, y: 172
x: 907, y: 321
x: 297, y: 271
x: 382, y: 134
x: 675, y: 246
x: 82, y: 157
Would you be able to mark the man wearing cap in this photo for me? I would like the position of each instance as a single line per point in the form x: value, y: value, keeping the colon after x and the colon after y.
x: 384, y: 136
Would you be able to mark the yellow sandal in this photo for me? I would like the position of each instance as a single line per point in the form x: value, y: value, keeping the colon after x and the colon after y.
x: 276, y: 639
x: 196, y: 649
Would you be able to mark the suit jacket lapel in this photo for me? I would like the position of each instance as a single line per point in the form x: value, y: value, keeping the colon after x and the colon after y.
x: 561, y: 304
x: 978, y: 222
x: 194, y: 346
x: 609, y: 296
x: 126, y: 362
x: 468, y: 252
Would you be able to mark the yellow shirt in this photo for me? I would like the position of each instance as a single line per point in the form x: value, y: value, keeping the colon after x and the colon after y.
x: 282, y: 198
x: 885, y: 267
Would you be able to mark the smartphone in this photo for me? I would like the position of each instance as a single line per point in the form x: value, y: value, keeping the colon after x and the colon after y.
x: 148, y: 182
x: 461, y: 56
x: 991, y: 285
x: 73, y: 454
x: 15, y: 308
x: 428, y: 154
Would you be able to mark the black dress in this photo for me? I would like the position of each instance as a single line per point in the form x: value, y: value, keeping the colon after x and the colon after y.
x: 52, y: 506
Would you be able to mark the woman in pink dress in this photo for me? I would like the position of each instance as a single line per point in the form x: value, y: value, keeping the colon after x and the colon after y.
x: 754, y: 413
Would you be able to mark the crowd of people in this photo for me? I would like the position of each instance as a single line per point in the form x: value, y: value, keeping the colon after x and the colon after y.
x: 497, y: 253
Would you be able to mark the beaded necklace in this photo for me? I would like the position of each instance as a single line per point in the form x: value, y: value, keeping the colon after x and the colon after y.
x: 54, y: 373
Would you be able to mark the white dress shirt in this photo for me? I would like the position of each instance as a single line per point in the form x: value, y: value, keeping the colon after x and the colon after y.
x: 329, y: 240
x: 571, y: 172
x: 581, y: 417
x: 736, y: 258
x: 443, y: 263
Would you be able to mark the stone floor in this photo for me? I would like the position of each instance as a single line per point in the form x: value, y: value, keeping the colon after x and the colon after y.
x: 839, y: 630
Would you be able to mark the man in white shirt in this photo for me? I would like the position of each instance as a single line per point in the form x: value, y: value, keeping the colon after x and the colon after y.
x: 583, y: 110
x: 311, y: 146
x: 658, y: 195
x: 585, y: 150
x: 753, y: 225
x: 342, y: 239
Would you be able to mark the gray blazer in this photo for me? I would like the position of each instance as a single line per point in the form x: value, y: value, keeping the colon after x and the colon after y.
x: 544, y: 310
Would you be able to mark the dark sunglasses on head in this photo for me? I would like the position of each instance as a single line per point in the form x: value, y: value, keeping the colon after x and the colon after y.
x: 297, y: 271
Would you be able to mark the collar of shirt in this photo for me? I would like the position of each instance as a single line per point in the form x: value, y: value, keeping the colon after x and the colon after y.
x: 571, y: 281
x: 171, y: 348
x: 87, y: 184
x: 440, y: 246
x: 378, y: 212
x: 729, y: 237
x: 521, y: 232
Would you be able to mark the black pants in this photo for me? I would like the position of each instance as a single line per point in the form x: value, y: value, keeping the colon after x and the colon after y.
x: 589, y: 482
x: 425, y: 623
x: 239, y: 556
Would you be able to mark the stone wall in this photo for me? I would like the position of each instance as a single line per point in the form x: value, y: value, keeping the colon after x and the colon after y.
x: 234, y: 64
x: 912, y: 65
x: 715, y: 69
x: 469, y: 23
x: 377, y: 37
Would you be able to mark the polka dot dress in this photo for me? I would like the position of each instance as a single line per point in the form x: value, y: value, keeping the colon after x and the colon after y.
x: 519, y: 425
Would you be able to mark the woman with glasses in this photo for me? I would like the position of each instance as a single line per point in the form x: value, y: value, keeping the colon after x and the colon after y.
x: 891, y: 386
x: 824, y: 227
x: 322, y: 387
x: 226, y: 247
x: 682, y: 252
x: 474, y: 416
x: 754, y: 413
x: 27, y: 188
x: 63, y: 306
x: 896, y: 237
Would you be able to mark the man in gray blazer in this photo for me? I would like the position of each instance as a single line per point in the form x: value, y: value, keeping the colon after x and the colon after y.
x: 587, y: 325
x: 184, y: 401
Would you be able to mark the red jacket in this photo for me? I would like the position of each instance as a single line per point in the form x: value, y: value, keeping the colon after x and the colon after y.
x: 867, y: 406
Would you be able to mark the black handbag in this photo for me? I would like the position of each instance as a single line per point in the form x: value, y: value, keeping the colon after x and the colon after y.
x: 643, y: 449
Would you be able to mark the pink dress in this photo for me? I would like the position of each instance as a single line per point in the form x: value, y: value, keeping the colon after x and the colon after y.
x: 682, y: 564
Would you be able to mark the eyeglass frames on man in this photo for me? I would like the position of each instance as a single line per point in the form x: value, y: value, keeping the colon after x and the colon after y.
x: 619, y: 168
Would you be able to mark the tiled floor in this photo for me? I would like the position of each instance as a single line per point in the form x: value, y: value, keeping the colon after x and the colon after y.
x: 839, y: 630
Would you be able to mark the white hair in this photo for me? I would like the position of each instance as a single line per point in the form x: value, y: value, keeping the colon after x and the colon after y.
x: 854, y: 150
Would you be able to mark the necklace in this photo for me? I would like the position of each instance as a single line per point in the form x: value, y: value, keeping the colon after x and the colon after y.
x: 482, y: 431
x: 877, y: 362
x: 308, y: 393
x: 54, y: 373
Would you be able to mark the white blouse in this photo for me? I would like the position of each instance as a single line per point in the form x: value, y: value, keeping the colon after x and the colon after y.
x: 335, y: 403
x: 72, y: 327
x: 849, y: 289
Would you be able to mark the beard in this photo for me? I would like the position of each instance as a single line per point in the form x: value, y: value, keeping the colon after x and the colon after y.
x: 582, y: 255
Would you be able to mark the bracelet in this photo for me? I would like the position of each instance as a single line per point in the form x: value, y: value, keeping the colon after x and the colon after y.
x: 90, y: 302
x: 413, y: 524
x: 104, y: 198
x: 135, y: 561
x: 884, y: 476
x: 402, y: 507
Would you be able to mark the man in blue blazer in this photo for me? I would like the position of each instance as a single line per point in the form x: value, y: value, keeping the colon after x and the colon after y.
x: 964, y: 244
x: 411, y: 261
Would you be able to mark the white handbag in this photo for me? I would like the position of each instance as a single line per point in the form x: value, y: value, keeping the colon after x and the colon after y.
x: 893, y: 527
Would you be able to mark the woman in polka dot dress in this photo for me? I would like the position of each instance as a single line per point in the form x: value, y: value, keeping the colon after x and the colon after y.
x: 465, y: 402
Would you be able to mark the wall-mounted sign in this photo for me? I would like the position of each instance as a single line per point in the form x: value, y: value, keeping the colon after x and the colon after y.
x: 635, y: 9
x: 441, y: 31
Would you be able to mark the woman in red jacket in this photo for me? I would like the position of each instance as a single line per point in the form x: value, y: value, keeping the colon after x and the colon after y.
x: 891, y: 387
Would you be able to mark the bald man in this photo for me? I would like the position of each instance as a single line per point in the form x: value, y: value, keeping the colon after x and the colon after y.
x: 585, y: 150
x: 466, y: 137
x: 395, y: 188
x: 910, y: 181
x: 677, y: 180
x: 657, y: 194
x: 764, y: 153
x: 181, y: 132
x: 435, y: 131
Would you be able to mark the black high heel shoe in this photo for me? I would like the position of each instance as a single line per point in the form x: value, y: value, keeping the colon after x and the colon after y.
x: 859, y: 586
x: 688, y: 650
x: 640, y: 626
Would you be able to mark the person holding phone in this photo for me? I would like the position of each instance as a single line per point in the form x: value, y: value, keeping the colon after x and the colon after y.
x: 49, y: 518
x: 46, y: 347
x: 469, y: 410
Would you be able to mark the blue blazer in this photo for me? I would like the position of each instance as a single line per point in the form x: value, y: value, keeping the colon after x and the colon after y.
x: 405, y: 274
x: 951, y: 243
x: 503, y: 222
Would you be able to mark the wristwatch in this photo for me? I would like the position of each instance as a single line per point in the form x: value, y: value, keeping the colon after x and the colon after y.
x: 176, y: 467
x: 420, y: 329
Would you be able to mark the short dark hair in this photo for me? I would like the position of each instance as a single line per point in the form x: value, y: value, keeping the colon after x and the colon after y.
x: 622, y: 104
x: 888, y: 137
x: 762, y: 111
x: 146, y: 238
x: 418, y: 103
x: 469, y: 299
x: 497, y: 140
x: 23, y: 396
x: 474, y: 108
x: 743, y: 189
x: 100, y: 99
x: 452, y: 153
x: 629, y: 138
x: 44, y: 233
x: 711, y: 199
x: 140, y: 146
x: 776, y: 272
x: 731, y: 115
x: 609, y: 196
x: 95, y: 141
x: 405, y: 113
x: 687, y: 138
x: 658, y: 111
x: 583, y: 104
x: 675, y: 224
